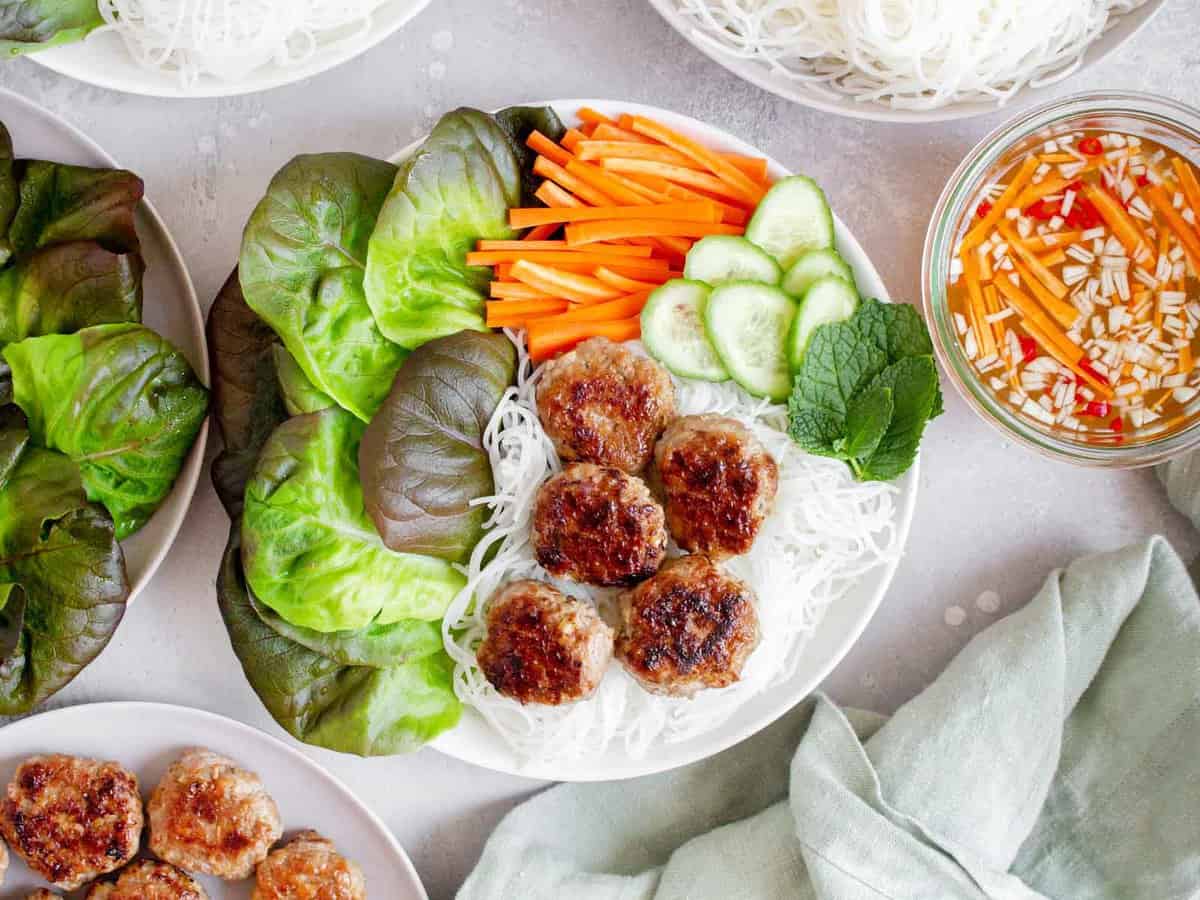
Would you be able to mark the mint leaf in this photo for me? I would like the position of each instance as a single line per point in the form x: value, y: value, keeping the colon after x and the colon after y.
x: 898, y: 330
x: 818, y: 431
x: 866, y: 423
x: 913, y: 384
x: 839, y: 362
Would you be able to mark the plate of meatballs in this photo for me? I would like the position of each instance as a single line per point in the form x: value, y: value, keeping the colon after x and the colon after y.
x: 665, y: 571
x: 142, y: 801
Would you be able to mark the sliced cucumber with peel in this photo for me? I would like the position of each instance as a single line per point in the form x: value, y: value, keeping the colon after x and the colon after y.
x: 722, y: 257
x: 673, y: 331
x: 829, y: 299
x: 748, y: 325
x: 792, y: 219
x: 813, y: 265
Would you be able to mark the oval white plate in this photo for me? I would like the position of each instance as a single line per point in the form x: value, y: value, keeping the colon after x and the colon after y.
x: 474, y: 741
x: 146, y: 738
x: 103, y: 60
x: 759, y: 73
x: 170, y: 308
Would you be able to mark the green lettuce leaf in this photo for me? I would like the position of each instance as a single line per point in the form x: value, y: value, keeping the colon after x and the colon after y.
x: 66, y: 287
x: 300, y: 396
x: 63, y: 585
x: 27, y: 26
x: 303, y: 680
x: 422, y: 460
x: 59, y: 203
x: 118, y: 400
x: 8, y: 192
x: 303, y: 258
x: 310, y: 551
x: 456, y: 189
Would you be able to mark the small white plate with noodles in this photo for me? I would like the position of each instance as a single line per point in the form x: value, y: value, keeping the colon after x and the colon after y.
x: 185, y: 48
x: 906, y: 60
x: 820, y: 568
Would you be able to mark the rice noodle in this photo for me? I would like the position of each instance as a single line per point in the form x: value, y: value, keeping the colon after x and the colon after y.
x: 228, y: 39
x: 909, y: 54
x: 825, y: 533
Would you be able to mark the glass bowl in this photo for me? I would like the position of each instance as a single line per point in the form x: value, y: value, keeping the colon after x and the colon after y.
x: 1167, y: 122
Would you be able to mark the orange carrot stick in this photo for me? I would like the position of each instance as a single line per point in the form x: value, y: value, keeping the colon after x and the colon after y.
x: 978, y: 306
x: 730, y: 214
x: 1183, y: 232
x: 984, y: 226
x: 539, y: 143
x: 505, y: 312
x: 621, y: 308
x: 515, y: 290
x: 1052, y: 282
x: 575, y: 287
x: 588, y: 150
x: 547, y: 339
x: 523, y: 246
x: 1063, y: 312
x: 693, y: 211
x: 742, y: 183
x: 611, y: 132
x: 605, y: 183
x: 572, y: 139
x: 633, y: 285
x: 547, y: 168
x: 556, y: 197
x: 541, y: 232
x: 582, y: 233
x: 591, y: 117
x: 1127, y: 231
x: 591, y: 256
x: 714, y: 184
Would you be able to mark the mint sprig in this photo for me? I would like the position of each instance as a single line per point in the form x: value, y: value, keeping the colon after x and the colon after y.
x: 865, y: 390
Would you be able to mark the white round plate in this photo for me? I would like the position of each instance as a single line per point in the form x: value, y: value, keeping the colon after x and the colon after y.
x: 147, y: 737
x: 170, y: 307
x: 103, y: 60
x: 474, y: 740
x: 761, y: 74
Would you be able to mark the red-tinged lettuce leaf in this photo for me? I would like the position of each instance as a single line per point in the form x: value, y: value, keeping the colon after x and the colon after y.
x: 65, y: 287
x: 422, y: 460
x: 60, y: 203
x: 63, y: 585
x: 8, y: 192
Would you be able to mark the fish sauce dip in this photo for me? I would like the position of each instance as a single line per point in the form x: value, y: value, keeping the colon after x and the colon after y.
x: 1073, y: 288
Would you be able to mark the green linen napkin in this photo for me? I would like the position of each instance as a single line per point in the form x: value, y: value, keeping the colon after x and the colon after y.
x: 1057, y: 757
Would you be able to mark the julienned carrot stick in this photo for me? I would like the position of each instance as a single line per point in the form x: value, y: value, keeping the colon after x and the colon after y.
x: 524, y: 245
x: 516, y: 310
x: 591, y: 256
x: 539, y: 143
x: 582, y: 233
x: 547, y: 339
x: 977, y: 307
x: 541, y: 232
x: 605, y: 183
x: 739, y: 180
x: 633, y: 285
x: 1183, y: 232
x: 1127, y: 231
x: 612, y: 132
x: 548, y: 168
x: 590, y: 150
x: 714, y: 184
x: 730, y: 214
x: 1052, y: 282
x: 556, y: 197
x: 692, y: 211
x: 573, y: 138
x: 1031, y: 193
x: 621, y: 308
x: 515, y: 290
x: 984, y: 226
x: 591, y: 117
x: 1187, y: 180
x: 1063, y: 312
x: 572, y: 286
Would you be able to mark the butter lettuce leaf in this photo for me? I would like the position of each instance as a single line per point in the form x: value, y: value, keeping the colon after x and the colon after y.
x: 27, y: 26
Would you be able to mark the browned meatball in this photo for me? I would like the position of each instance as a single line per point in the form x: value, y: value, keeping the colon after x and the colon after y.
x: 688, y: 628
x: 601, y: 403
x: 598, y: 526
x: 542, y: 646
x: 208, y: 815
x: 148, y: 879
x: 719, y: 483
x: 72, y: 819
x: 309, y: 868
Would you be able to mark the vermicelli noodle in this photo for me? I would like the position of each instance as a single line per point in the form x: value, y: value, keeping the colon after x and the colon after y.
x: 229, y: 39
x: 826, y: 532
x: 909, y: 54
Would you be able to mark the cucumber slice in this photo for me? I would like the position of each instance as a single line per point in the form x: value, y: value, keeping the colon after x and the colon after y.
x: 813, y: 265
x: 829, y: 299
x: 723, y: 257
x: 748, y: 325
x: 792, y: 219
x: 673, y: 331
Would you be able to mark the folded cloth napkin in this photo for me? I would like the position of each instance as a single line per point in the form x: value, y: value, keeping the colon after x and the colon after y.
x: 1057, y: 757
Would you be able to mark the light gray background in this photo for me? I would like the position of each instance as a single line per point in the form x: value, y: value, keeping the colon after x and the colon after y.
x: 990, y: 516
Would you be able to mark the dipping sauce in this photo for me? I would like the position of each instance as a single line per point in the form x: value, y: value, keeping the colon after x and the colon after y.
x: 1074, y: 291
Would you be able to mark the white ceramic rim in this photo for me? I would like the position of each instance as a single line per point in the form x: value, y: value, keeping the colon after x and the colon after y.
x: 47, y: 723
x: 189, y: 476
x: 758, y: 74
x: 153, y: 84
x: 473, y: 741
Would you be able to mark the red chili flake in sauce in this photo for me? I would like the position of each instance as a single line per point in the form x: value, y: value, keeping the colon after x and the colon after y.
x: 983, y: 209
x: 1098, y: 408
x: 1117, y: 424
x: 1086, y: 365
x: 1042, y: 211
x: 1143, y: 181
x: 1029, y: 349
x: 1091, y: 146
